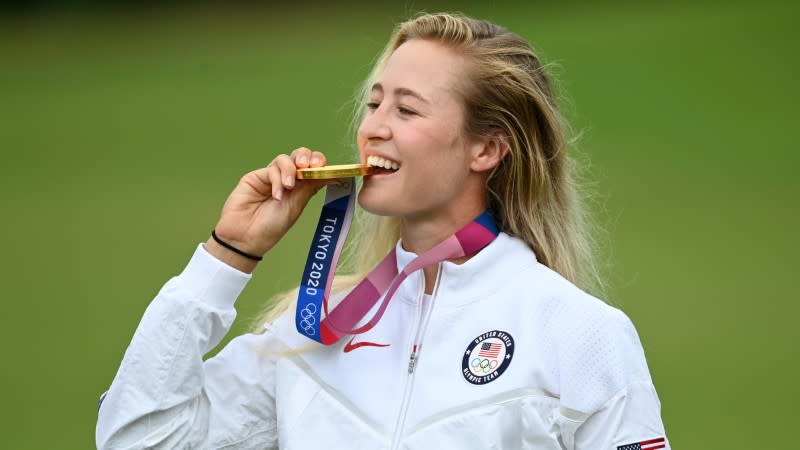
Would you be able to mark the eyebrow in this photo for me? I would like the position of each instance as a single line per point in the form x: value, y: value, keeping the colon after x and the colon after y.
x: 402, y: 91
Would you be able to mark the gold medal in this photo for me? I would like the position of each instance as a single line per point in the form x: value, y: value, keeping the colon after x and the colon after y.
x: 333, y: 172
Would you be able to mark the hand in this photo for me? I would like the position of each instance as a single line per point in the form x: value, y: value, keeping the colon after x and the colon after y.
x: 264, y: 205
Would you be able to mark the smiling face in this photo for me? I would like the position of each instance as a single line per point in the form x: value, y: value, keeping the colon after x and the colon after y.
x: 416, y: 120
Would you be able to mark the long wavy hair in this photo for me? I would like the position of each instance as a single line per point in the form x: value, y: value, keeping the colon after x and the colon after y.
x: 533, y: 192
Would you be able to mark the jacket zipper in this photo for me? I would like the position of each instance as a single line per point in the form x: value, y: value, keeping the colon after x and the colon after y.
x: 416, y: 347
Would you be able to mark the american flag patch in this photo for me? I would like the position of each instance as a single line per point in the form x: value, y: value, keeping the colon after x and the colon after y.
x: 490, y: 350
x: 651, y: 444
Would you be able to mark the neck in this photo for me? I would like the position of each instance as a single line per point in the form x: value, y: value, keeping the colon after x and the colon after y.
x: 420, y: 234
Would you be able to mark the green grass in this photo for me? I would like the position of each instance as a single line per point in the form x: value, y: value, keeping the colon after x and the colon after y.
x: 121, y: 136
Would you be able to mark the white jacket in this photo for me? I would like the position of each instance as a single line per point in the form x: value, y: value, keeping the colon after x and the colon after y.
x: 574, y: 376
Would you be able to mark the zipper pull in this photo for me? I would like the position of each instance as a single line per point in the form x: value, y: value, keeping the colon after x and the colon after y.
x: 412, y: 362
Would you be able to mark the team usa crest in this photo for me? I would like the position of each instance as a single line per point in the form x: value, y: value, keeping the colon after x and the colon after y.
x: 487, y: 357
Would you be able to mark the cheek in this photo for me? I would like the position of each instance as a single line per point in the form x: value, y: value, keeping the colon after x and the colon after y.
x: 438, y: 142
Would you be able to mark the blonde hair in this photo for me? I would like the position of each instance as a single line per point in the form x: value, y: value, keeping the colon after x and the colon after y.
x: 533, y: 193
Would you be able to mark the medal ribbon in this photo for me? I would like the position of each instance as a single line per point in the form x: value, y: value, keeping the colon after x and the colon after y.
x: 332, y: 227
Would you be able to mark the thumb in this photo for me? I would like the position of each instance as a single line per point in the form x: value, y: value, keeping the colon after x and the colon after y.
x: 306, y: 189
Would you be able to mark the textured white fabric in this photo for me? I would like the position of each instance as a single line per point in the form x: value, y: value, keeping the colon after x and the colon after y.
x: 577, y: 380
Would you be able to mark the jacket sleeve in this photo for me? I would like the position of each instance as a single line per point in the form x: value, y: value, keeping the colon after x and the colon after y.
x: 165, y: 396
x: 608, y: 401
x: 631, y: 417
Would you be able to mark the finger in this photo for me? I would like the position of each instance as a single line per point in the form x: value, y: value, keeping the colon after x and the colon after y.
x: 257, y: 180
x: 318, y: 159
x: 274, y: 175
x: 307, y: 189
x: 302, y: 157
x: 287, y: 170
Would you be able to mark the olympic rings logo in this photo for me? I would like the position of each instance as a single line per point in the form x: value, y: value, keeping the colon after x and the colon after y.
x: 479, y: 365
x: 308, y: 314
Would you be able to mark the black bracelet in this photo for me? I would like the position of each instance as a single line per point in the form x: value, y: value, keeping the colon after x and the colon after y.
x: 234, y: 249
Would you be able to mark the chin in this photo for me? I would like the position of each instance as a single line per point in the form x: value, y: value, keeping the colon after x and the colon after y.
x: 373, y: 204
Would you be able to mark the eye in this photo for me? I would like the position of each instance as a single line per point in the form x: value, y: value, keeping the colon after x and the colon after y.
x: 405, y: 111
x: 372, y: 106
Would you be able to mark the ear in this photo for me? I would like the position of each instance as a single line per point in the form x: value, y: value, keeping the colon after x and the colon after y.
x: 489, y: 151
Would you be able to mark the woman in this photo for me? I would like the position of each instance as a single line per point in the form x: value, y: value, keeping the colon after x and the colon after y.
x: 496, y: 348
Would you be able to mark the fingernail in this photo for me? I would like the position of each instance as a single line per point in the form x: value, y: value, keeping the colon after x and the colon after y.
x: 303, y: 160
x: 314, y: 160
x: 288, y: 181
x: 278, y: 194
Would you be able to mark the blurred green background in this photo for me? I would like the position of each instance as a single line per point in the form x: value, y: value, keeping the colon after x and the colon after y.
x: 122, y: 131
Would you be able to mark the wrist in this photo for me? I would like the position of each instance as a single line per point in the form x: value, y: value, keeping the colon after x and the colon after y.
x: 229, y: 257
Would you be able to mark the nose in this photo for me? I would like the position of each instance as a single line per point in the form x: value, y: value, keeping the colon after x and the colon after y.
x: 374, y: 126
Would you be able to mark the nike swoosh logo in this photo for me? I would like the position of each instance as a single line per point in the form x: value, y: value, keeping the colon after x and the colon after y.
x: 350, y: 346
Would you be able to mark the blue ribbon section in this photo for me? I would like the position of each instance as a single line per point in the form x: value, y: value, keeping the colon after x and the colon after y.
x: 487, y: 221
x: 319, y: 263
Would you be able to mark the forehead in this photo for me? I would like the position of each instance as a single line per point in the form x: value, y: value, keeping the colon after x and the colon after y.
x: 424, y: 66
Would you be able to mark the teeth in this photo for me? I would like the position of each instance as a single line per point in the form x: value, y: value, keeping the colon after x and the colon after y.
x: 377, y: 161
